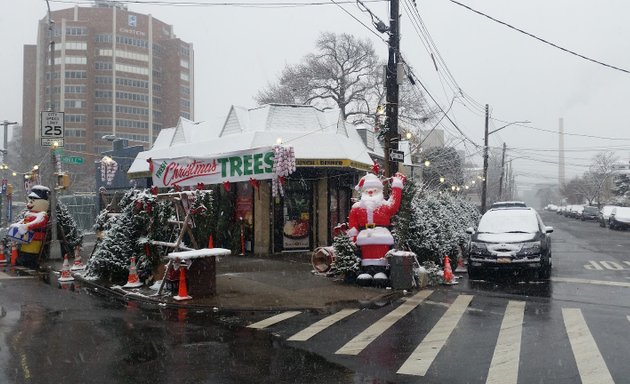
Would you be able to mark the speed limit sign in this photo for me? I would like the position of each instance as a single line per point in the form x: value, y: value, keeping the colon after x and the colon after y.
x: 52, y: 128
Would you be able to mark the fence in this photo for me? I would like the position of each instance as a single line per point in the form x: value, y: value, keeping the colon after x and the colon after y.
x: 83, y: 209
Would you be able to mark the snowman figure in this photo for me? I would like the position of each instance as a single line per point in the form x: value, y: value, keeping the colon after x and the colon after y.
x: 30, y: 232
x: 368, y: 223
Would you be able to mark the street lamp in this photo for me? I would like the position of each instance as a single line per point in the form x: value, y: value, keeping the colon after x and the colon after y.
x: 484, y: 186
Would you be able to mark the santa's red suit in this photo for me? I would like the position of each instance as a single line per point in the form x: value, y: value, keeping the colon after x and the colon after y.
x: 370, y: 217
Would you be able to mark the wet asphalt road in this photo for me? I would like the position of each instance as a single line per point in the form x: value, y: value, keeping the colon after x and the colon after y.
x: 571, y: 329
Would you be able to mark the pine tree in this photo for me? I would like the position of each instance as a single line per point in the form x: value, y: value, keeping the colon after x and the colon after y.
x: 66, y: 225
x: 346, y: 261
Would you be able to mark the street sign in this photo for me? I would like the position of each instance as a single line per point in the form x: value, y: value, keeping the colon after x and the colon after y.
x: 49, y: 142
x: 398, y: 156
x: 51, y: 127
x: 72, y: 160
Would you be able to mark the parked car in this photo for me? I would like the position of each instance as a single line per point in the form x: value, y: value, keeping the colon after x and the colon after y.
x: 508, y: 204
x: 589, y: 213
x: 510, y: 239
x: 604, y: 214
x: 619, y: 218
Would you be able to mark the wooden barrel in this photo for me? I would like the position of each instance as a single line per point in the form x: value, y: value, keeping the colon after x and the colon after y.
x: 323, y: 259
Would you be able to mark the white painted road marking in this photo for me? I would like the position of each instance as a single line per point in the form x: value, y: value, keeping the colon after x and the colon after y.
x: 356, y: 345
x: 588, y: 281
x: 421, y: 359
x: 504, y: 366
x: 590, y: 362
x: 606, y: 264
x: 319, y: 326
x: 274, y: 320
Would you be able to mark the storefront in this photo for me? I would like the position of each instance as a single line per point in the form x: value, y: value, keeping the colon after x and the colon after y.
x: 295, y: 213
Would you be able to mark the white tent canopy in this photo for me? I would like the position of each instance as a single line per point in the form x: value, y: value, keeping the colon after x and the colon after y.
x: 317, y: 137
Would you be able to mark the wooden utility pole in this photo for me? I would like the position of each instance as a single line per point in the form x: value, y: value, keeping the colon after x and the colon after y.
x: 484, y: 181
x: 502, y: 172
x: 391, y: 83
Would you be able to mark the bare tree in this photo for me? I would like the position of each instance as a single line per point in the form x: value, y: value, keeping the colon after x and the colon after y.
x: 595, y: 184
x: 346, y: 73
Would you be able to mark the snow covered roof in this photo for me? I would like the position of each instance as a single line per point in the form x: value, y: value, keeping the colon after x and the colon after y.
x: 314, y: 134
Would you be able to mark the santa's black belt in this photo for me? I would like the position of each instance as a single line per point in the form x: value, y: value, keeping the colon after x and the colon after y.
x: 368, y: 226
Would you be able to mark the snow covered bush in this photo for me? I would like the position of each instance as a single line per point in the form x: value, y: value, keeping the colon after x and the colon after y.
x: 72, y: 236
x: 432, y: 224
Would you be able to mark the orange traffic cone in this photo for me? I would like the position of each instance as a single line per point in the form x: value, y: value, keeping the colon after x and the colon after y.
x: 133, y: 281
x: 448, y: 272
x: 78, y: 264
x: 211, y: 242
x: 3, y: 259
x: 182, y: 292
x: 14, y: 253
x: 65, y: 270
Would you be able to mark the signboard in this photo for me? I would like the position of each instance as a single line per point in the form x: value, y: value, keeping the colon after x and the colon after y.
x: 49, y: 142
x: 255, y: 163
x: 397, y: 156
x: 52, y: 128
x: 78, y: 160
x: 332, y: 163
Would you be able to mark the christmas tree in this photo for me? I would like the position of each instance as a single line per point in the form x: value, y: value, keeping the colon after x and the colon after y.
x: 67, y: 226
x: 346, y: 261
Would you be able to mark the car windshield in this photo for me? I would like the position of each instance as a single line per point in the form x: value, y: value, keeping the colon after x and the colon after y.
x: 590, y: 209
x: 508, y: 221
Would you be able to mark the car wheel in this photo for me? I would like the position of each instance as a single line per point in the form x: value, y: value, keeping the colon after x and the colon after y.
x: 474, y: 273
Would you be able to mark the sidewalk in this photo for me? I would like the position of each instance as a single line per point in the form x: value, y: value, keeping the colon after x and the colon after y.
x: 284, y: 282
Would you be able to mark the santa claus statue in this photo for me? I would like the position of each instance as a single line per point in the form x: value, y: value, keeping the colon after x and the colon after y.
x: 30, y: 232
x: 369, y: 220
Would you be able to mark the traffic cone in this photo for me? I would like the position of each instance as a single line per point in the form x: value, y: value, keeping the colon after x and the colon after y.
x: 14, y: 253
x: 3, y: 259
x: 448, y: 272
x: 133, y: 281
x: 211, y: 242
x: 182, y: 292
x: 78, y: 264
x: 65, y: 270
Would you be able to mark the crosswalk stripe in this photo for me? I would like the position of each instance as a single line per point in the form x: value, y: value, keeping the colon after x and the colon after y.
x: 504, y: 365
x: 274, y: 320
x: 421, y: 359
x: 589, y: 360
x: 356, y: 345
x: 319, y: 326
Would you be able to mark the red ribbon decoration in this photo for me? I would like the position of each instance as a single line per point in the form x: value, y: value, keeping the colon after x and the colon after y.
x: 177, y: 188
x: 226, y: 186
x: 375, y: 168
x: 255, y: 183
x: 154, y: 190
x: 150, y: 161
x: 281, y: 179
x: 201, y: 186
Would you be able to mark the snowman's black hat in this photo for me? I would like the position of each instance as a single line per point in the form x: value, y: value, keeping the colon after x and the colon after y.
x: 39, y: 192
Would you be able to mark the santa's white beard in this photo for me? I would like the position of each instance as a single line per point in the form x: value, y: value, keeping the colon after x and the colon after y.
x: 372, y: 202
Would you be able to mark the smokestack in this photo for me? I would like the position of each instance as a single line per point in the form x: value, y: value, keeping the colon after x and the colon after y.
x: 561, y: 178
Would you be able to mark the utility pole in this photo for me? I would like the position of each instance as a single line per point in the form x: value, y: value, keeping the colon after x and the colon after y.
x: 484, y: 181
x: 391, y: 83
x: 502, y: 172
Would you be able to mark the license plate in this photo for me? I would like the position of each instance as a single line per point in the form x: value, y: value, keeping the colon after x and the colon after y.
x: 503, y: 260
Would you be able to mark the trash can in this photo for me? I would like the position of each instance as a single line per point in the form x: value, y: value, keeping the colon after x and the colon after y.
x: 401, y: 269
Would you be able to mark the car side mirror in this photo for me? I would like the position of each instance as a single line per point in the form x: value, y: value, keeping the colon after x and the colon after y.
x: 470, y: 230
x: 548, y: 229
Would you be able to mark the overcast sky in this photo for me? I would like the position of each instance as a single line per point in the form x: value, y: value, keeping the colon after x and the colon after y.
x: 241, y: 46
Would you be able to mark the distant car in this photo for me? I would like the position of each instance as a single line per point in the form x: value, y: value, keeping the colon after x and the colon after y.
x: 507, y: 204
x: 604, y: 214
x: 619, y: 218
x: 589, y: 213
x: 510, y: 239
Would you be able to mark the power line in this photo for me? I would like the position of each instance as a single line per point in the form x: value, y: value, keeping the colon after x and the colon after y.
x: 540, y: 39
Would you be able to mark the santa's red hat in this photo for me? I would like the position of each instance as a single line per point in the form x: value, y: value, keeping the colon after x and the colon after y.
x: 370, y: 180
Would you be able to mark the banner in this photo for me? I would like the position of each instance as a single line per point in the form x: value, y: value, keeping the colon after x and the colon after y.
x: 254, y: 163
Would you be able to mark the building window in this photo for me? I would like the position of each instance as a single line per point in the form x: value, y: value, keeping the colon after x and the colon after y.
x: 134, y: 83
x: 103, y: 38
x: 103, y: 108
x: 132, y: 69
x: 72, y: 45
x: 71, y: 60
x: 75, y: 132
x: 103, y: 94
x: 76, y: 31
x: 75, y: 147
x: 76, y: 75
x: 103, y: 66
x: 132, y: 96
x: 74, y: 88
x: 69, y: 104
x: 104, y: 80
x: 184, y: 76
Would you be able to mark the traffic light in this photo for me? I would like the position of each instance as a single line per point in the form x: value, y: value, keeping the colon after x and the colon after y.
x: 63, y: 180
x: 10, y: 189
